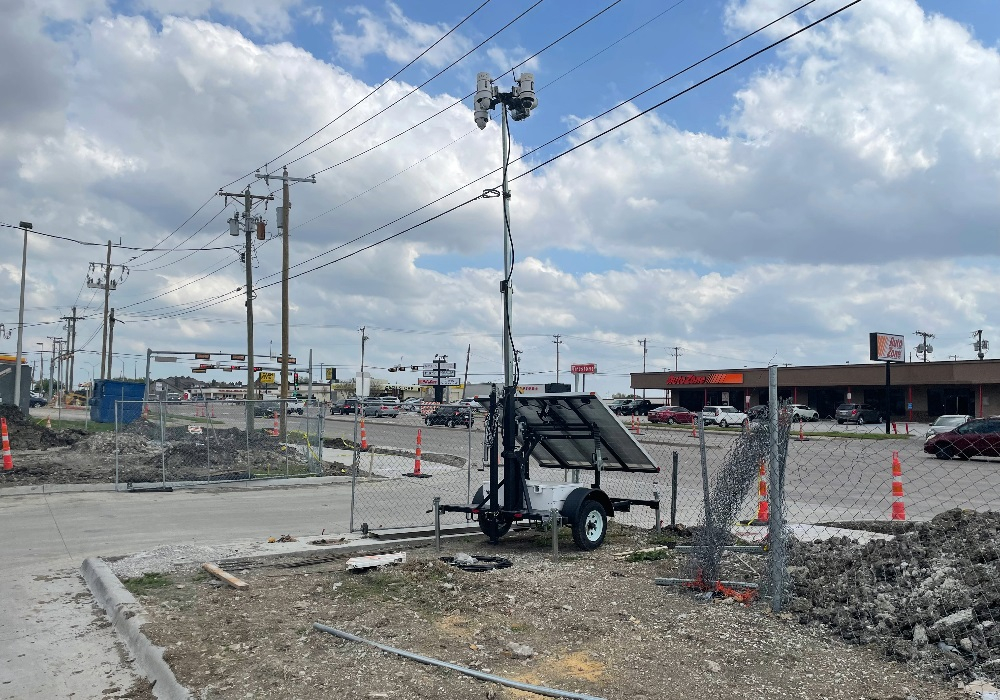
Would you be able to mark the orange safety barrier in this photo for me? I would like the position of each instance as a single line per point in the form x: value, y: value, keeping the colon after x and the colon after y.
x: 763, y: 505
x: 898, y: 506
x: 8, y: 461
x: 364, y: 440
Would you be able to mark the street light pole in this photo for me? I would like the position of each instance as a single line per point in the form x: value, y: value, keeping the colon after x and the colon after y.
x: 25, y: 226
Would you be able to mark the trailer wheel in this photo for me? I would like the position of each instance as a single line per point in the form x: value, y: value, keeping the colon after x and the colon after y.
x: 590, y: 525
x: 494, y: 529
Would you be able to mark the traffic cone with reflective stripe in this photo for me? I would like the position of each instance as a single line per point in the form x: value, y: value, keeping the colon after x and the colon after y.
x: 276, y: 431
x: 416, y: 461
x: 8, y: 461
x: 364, y: 440
x: 898, y: 506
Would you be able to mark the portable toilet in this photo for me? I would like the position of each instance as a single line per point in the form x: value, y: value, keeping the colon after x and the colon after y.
x: 107, y: 392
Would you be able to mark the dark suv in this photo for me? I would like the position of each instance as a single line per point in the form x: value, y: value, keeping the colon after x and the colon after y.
x: 450, y: 416
x: 859, y: 413
x: 348, y: 406
x: 637, y: 407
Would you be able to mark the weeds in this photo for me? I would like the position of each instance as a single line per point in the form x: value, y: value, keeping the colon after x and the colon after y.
x: 145, y: 584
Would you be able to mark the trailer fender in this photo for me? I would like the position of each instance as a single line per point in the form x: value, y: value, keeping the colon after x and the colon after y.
x: 571, y: 506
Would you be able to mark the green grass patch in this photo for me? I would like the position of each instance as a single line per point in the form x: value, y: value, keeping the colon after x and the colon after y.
x: 655, y: 555
x: 146, y: 583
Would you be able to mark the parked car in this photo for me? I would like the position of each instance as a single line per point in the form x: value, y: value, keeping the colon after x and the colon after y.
x: 801, y: 412
x: 671, y: 415
x: 347, y: 406
x: 382, y: 407
x: 294, y: 406
x: 411, y: 404
x: 859, y: 413
x: 37, y: 399
x: 723, y: 416
x: 758, y: 412
x: 616, y: 404
x: 976, y: 438
x: 266, y: 409
x: 945, y: 423
x: 450, y: 415
x: 637, y: 407
x: 471, y: 403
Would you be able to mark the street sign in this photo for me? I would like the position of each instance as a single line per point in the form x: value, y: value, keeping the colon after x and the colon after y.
x: 422, y: 381
x: 439, y: 373
x: 589, y: 368
x: 203, y: 356
x: 331, y: 374
x: 164, y: 358
x: 291, y: 360
x: 238, y: 358
x: 438, y: 365
x: 266, y: 377
x: 450, y: 381
x: 196, y: 370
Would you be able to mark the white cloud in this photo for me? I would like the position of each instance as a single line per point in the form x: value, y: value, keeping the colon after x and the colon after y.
x: 269, y: 18
x: 505, y: 59
x: 855, y: 188
x: 395, y: 36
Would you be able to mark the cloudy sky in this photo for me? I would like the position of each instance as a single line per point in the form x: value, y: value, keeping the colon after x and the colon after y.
x: 845, y: 181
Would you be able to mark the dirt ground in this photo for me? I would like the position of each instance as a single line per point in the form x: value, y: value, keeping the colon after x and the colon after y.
x: 592, y: 623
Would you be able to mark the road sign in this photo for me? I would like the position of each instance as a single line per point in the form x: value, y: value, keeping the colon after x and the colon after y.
x: 449, y: 381
x: 266, y: 377
x: 439, y: 373
x: 238, y: 358
x: 203, y: 356
x: 164, y: 358
x: 583, y: 369
x: 291, y: 360
x: 438, y: 365
x: 423, y: 381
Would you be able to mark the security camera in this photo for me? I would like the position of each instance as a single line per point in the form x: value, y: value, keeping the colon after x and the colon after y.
x: 483, y: 100
x: 525, y: 91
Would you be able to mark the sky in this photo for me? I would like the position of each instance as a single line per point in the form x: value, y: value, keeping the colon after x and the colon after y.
x: 843, y: 181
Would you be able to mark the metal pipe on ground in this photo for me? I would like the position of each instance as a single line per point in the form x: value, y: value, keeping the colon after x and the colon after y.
x: 527, y: 687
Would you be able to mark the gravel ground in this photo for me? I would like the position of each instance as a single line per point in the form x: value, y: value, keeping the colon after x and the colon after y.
x: 593, y: 622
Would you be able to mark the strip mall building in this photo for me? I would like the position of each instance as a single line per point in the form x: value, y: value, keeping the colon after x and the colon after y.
x: 918, y: 391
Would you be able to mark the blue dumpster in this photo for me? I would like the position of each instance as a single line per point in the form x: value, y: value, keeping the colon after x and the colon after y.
x: 107, y: 392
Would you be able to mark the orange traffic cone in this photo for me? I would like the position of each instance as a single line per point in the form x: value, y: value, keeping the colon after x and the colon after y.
x: 416, y: 461
x: 48, y: 422
x: 898, y: 506
x: 802, y: 434
x: 8, y: 461
x: 763, y: 507
x: 694, y: 428
x: 276, y: 431
x: 364, y: 440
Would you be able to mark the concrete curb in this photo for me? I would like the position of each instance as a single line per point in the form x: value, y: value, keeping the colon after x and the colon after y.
x: 276, y: 482
x: 126, y: 617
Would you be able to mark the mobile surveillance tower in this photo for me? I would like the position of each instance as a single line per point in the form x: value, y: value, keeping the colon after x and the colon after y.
x: 572, y: 432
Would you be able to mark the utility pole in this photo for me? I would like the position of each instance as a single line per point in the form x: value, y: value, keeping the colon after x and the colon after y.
x: 283, y: 224
x: 71, y: 321
x: 25, y: 226
x: 557, y: 342
x: 924, y: 347
x: 249, y: 223
x: 108, y: 285
x: 111, y: 341
x: 52, y: 363
x: 361, y: 391
x: 468, y: 354
x: 677, y: 351
x: 980, y: 346
x: 644, y: 351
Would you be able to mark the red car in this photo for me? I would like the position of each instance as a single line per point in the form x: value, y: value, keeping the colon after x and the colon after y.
x: 671, y: 415
x: 977, y: 438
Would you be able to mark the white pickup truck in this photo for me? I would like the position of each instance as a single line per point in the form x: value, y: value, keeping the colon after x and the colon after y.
x: 295, y: 406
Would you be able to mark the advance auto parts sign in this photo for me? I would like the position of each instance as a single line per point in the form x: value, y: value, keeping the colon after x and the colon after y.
x: 886, y: 347
x: 698, y: 379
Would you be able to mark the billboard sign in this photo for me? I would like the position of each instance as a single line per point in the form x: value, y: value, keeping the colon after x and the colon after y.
x: 439, y: 373
x: 583, y: 369
x: 887, y: 347
x: 266, y: 378
x: 444, y: 381
x: 437, y: 365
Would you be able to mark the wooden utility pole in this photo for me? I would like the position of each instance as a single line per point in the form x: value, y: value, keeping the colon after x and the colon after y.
x: 111, y: 341
x: 249, y: 223
x: 107, y: 293
x: 283, y: 223
x: 71, y: 322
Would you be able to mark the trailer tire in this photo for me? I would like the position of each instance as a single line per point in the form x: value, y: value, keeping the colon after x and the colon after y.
x: 590, y: 525
x: 493, y: 529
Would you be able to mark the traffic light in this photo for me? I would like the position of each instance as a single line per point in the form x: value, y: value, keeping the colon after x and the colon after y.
x: 295, y: 379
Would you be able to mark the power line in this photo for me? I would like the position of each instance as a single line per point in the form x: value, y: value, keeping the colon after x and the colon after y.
x: 117, y: 246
